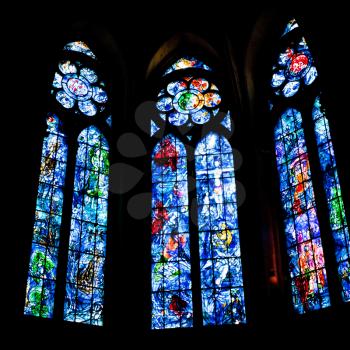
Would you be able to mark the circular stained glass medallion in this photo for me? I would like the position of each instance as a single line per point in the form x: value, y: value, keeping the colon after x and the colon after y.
x: 189, y: 99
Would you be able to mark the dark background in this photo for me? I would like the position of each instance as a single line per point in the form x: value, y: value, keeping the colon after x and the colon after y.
x: 137, y: 35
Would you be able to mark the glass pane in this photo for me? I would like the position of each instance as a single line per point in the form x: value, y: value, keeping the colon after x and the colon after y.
x: 40, y: 292
x: 171, y: 265
x: 305, y: 252
x: 220, y: 256
x: 87, y: 242
x: 334, y: 198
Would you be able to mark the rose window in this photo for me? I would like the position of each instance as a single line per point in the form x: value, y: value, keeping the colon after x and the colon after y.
x: 189, y: 100
x: 295, y: 68
x: 77, y: 86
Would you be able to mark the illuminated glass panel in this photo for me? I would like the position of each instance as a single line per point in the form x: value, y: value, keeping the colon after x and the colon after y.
x: 294, y: 69
x: 339, y: 226
x: 41, y: 282
x: 154, y: 128
x: 291, y: 25
x: 79, y: 88
x: 79, y: 46
x: 189, y: 100
x: 302, y: 232
x: 219, y: 245
x: 87, y: 242
x: 109, y: 121
x: 185, y: 63
x: 226, y: 122
x: 171, y: 269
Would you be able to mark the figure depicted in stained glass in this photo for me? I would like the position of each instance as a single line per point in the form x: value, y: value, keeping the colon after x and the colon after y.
x: 87, y: 243
x: 188, y: 101
x: 77, y: 87
x: 171, y: 271
x: 294, y: 71
x: 221, y: 271
x: 306, y: 259
x: 47, y: 224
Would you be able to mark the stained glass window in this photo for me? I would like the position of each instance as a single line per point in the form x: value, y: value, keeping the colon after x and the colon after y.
x: 219, y: 247
x: 192, y: 101
x: 339, y: 226
x: 171, y: 266
x: 41, y: 282
x: 77, y: 88
x: 87, y: 242
x: 302, y: 232
x: 294, y: 72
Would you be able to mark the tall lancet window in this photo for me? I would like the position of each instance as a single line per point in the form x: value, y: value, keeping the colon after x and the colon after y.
x: 302, y: 129
x: 196, y: 261
x: 72, y: 198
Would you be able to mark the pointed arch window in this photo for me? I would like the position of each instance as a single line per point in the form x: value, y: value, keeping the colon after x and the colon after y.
x: 87, y: 241
x: 41, y: 281
x: 219, y: 246
x: 189, y: 100
x: 296, y: 130
x: 79, y: 94
x: 171, y: 270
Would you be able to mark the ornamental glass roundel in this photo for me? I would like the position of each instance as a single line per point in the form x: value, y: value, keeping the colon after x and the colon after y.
x: 79, y: 87
x: 189, y: 100
x: 294, y: 69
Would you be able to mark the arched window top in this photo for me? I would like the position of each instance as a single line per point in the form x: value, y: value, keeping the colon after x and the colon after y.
x: 295, y: 67
x: 291, y: 25
x: 185, y: 63
x: 77, y: 86
x: 169, y: 147
x: 183, y: 51
x: 54, y: 124
x: 79, y: 46
x: 220, y: 262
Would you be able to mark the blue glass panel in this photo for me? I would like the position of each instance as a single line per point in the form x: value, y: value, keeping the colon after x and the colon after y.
x: 188, y: 100
x: 295, y: 67
x: 87, y: 242
x: 40, y: 291
x: 187, y: 62
x: 227, y: 121
x: 305, y: 252
x: 109, y: 121
x: 79, y: 46
x: 292, y: 24
x: 154, y: 128
x: 332, y: 189
x: 171, y: 269
x: 220, y: 258
x: 79, y: 87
